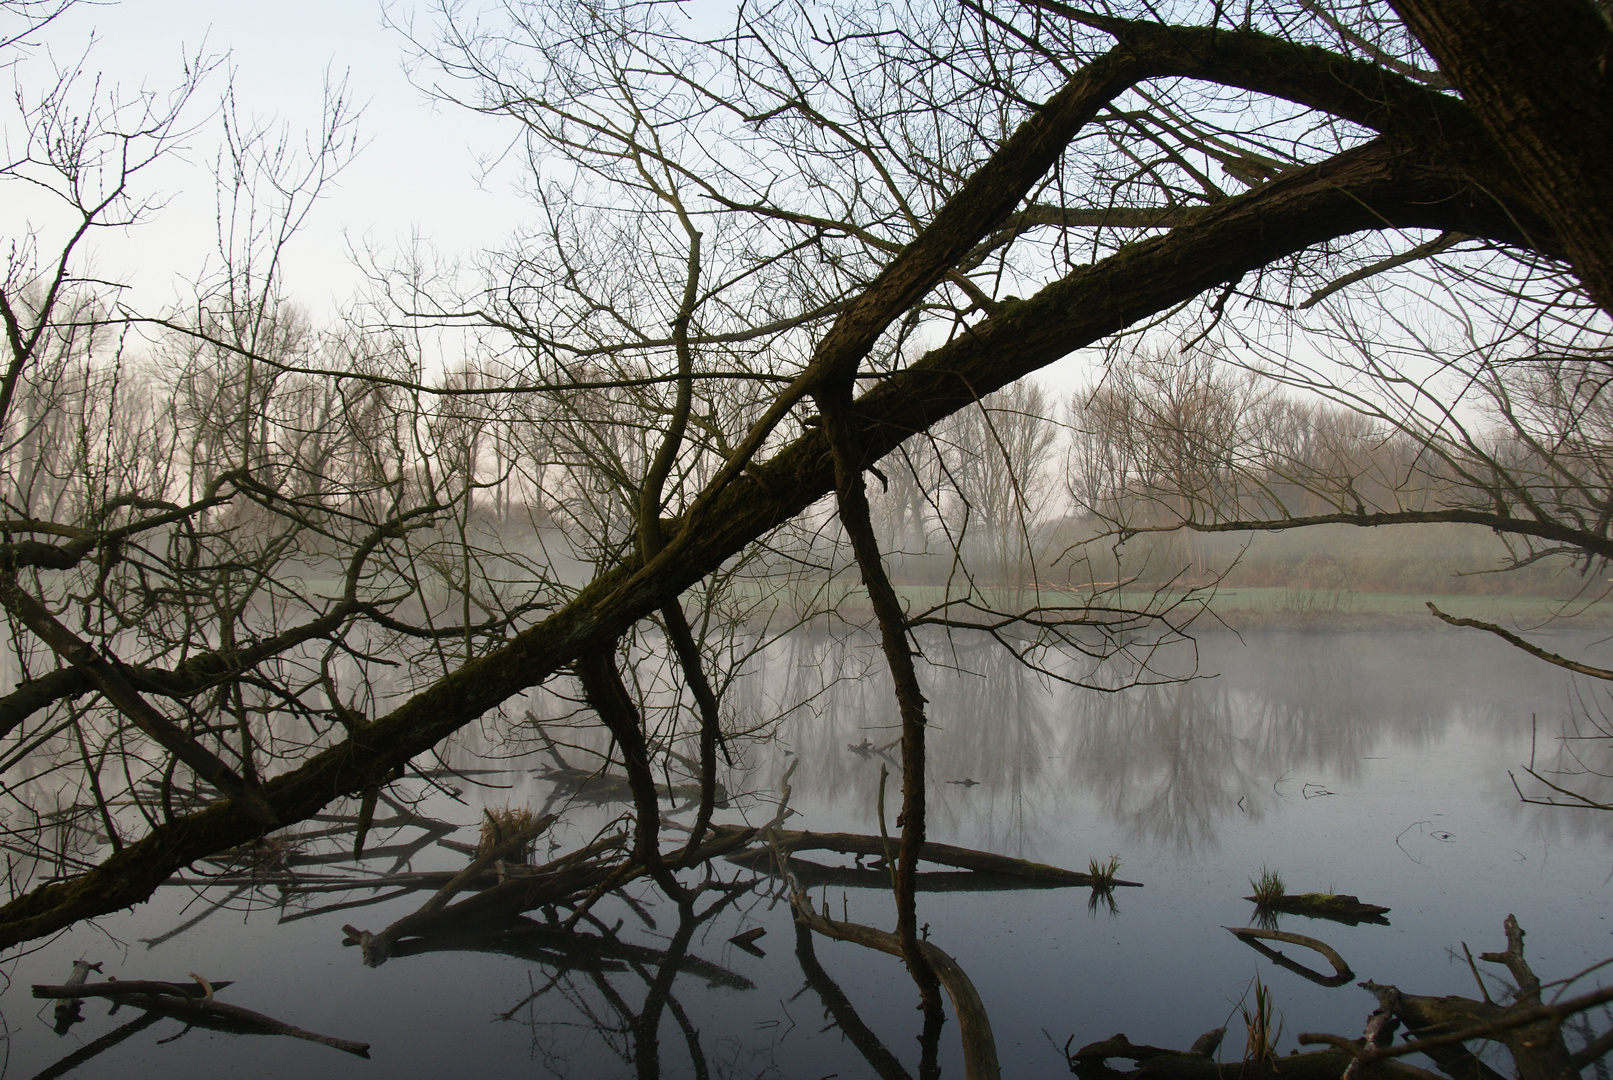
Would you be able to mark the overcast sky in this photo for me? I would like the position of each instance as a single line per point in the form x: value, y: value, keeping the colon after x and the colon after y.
x: 418, y: 169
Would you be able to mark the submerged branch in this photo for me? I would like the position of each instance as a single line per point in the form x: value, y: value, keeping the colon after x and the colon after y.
x: 194, y: 1004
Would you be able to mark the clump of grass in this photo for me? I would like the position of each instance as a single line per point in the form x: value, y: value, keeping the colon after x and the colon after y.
x: 500, y: 825
x: 1268, y: 887
x: 1260, y: 1047
x: 1103, y: 884
x: 1103, y: 874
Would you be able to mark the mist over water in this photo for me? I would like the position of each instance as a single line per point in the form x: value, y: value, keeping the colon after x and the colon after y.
x: 1368, y: 763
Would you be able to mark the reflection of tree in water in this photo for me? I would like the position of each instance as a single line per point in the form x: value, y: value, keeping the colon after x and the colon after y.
x: 598, y: 977
x: 1163, y: 761
x: 1167, y: 762
x: 1566, y: 780
x: 994, y: 725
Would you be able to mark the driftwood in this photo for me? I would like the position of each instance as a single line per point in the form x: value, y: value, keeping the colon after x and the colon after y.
x: 1155, y: 1063
x: 1252, y: 936
x: 1530, y: 1029
x: 67, y: 1010
x: 814, y: 875
x: 1337, y: 907
x: 118, y: 988
x: 790, y: 841
x: 194, y: 1004
x: 377, y: 947
x: 549, y: 944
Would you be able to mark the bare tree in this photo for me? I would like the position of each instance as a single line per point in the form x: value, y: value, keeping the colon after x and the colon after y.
x: 766, y: 260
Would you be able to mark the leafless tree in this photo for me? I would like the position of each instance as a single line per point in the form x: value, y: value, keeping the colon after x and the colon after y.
x: 767, y: 258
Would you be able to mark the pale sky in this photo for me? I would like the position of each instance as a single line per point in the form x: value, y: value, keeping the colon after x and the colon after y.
x: 417, y: 171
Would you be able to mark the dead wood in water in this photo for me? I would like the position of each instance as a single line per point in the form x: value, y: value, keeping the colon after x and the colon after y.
x: 67, y: 1011
x: 576, y: 876
x: 116, y: 988
x: 813, y: 875
x: 99, y: 1046
x: 1336, y: 907
x: 1155, y: 1063
x: 194, y: 1004
x: 1252, y: 936
x: 790, y: 841
x: 546, y: 943
x: 377, y: 947
x: 1529, y: 1029
x: 1438, y: 1027
x: 885, y: 1064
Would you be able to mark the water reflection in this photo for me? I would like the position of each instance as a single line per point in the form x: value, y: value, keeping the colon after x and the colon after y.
x: 1260, y: 722
x: 1020, y: 762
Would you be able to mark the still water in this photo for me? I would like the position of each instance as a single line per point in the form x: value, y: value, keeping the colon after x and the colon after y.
x: 1378, y: 764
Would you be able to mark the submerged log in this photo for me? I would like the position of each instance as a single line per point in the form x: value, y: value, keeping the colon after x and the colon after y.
x: 1338, y: 907
x: 194, y: 1004
x: 564, y: 949
x: 1119, y: 1046
x: 115, y: 988
x: 790, y: 841
x: 1252, y: 936
x: 67, y: 1012
x: 1155, y: 1063
x: 377, y: 947
x: 814, y: 875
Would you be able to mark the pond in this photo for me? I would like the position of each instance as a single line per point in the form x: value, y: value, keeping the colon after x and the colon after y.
x: 1379, y: 764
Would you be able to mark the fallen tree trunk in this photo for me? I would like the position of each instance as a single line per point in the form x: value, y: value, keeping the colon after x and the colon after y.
x: 790, y: 841
x: 1155, y: 1063
x: 812, y: 875
x: 193, y: 1003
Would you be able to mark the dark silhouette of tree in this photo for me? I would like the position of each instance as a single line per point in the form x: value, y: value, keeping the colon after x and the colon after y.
x: 763, y: 260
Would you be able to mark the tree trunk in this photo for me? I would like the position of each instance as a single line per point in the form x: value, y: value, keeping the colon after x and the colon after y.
x: 1536, y: 73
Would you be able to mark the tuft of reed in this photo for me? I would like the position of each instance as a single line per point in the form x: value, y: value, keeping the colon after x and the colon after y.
x: 1268, y: 887
x: 1103, y: 885
x: 1260, y: 1046
x: 499, y: 825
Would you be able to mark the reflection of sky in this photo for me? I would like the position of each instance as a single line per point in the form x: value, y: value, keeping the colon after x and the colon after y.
x: 1276, y: 718
x: 1194, y: 786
